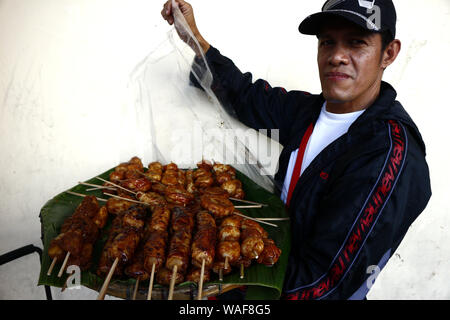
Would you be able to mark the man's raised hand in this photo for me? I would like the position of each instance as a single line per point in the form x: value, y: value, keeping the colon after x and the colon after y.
x: 188, y: 14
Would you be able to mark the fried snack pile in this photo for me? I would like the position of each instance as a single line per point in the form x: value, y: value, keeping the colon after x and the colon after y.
x: 184, y: 222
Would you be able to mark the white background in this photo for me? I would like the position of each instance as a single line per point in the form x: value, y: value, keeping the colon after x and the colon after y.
x: 64, y: 69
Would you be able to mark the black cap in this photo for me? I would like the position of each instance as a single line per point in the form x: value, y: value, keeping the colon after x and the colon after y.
x: 373, y: 15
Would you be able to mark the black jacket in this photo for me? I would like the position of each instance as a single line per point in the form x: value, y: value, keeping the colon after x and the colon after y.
x: 354, y: 203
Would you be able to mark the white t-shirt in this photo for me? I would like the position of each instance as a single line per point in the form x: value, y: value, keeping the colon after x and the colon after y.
x: 328, y: 128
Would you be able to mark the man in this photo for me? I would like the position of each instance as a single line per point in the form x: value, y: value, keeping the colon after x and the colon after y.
x: 352, y: 171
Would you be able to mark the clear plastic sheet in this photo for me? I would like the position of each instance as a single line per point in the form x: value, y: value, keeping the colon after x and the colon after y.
x: 185, y: 124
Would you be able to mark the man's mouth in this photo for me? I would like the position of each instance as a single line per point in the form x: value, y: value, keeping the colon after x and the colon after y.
x: 336, y: 76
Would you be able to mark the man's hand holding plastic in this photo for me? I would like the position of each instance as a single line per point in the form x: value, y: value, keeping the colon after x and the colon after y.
x: 188, y: 14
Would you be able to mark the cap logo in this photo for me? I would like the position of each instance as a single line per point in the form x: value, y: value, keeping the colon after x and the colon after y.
x: 330, y: 4
x: 366, y: 4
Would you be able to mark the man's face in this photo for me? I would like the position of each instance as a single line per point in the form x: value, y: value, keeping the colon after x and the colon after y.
x: 349, y: 61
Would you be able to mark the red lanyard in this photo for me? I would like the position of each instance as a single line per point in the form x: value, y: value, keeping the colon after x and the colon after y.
x: 298, y: 162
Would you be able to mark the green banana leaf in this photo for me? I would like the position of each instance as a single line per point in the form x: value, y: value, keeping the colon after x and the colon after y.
x: 264, y: 283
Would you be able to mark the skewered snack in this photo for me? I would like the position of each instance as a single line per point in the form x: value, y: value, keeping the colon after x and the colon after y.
x: 136, y: 268
x: 190, y: 186
x: 204, y: 181
x: 78, y: 234
x: 229, y: 251
x: 155, y: 250
x: 219, y: 206
x: 203, y: 245
x: 252, y: 243
x: 194, y: 275
x: 160, y: 219
x: 203, y: 178
x: 180, y: 243
x: 116, y: 176
x: 226, y: 177
x: 251, y: 224
x: 127, y: 170
x: 203, y: 250
x: 152, y: 198
x: 271, y: 253
x: 204, y: 164
x: 116, y: 206
x: 215, y: 191
x: 171, y: 166
x: 104, y: 264
x: 224, y: 168
x: 69, y: 241
x: 158, y: 187
x: 136, y: 184
x: 252, y: 235
x: 155, y: 166
x: 155, y: 244
x: 164, y: 277
x: 223, y: 177
x: 242, y: 262
x: 221, y: 268
x: 140, y: 254
x: 154, y: 172
x: 228, y: 247
x: 178, y: 195
x: 230, y: 228
x: 124, y: 236
x: 172, y: 176
x: 234, y: 188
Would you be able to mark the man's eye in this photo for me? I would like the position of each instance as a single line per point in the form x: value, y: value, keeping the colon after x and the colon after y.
x: 326, y: 43
x: 358, y: 42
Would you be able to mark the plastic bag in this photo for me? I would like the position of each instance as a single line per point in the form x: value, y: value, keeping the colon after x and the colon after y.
x: 186, y: 125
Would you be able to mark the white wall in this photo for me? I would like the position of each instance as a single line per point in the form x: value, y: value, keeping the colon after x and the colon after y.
x: 64, y: 67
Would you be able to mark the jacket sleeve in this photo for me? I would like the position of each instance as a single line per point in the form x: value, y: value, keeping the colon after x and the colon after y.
x: 257, y: 104
x: 361, y: 220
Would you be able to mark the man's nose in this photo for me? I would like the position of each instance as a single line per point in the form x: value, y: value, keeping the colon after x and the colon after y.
x: 339, y: 55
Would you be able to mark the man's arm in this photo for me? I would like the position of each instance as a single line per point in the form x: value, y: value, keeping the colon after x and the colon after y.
x: 257, y: 104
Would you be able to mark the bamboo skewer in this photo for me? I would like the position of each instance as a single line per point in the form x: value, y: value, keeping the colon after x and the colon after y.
x: 200, y: 284
x: 131, y: 200
x: 150, y: 285
x: 116, y: 185
x: 172, y: 282
x: 254, y: 219
x: 101, y: 295
x: 220, y: 274
x: 83, y: 195
x: 241, y: 275
x: 249, y: 207
x: 63, y: 267
x: 248, y: 201
x: 136, y: 289
x: 226, y: 265
x: 273, y: 219
x: 50, y: 269
x: 96, y: 186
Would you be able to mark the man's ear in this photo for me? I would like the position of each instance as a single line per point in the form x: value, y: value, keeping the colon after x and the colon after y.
x: 390, y: 53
